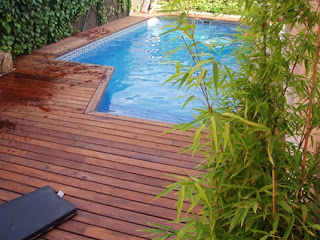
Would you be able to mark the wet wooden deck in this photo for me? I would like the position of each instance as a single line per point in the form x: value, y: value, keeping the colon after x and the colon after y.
x: 109, y: 167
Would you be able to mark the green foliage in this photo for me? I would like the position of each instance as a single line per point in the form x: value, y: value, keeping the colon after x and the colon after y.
x: 251, y: 136
x: 122, y: 6
x: 29, y: 24
x: 118, y: 7
x: 213, y: 6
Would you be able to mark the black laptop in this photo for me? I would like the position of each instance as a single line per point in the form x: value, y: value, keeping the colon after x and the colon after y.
x: 33, y: 214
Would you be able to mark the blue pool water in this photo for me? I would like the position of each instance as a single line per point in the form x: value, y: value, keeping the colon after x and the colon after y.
x: 136, y: 88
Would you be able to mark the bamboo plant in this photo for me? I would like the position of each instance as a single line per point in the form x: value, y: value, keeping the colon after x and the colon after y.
x: 260, y: 170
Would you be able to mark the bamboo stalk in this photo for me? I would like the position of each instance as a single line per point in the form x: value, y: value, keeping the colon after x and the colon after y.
x: 274, y: 192
x: 307, y: 136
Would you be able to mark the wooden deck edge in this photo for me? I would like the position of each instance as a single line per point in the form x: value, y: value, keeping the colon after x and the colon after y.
x: 93, y: 104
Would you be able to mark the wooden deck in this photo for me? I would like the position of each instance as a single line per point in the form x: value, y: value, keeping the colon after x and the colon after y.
x: 110, y: 167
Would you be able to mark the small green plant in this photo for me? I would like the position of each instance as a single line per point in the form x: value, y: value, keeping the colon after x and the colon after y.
x: 260, y: 176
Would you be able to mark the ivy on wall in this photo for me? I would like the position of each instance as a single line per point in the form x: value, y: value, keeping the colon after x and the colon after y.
x: 118, y: 7
x: 213, y: 6
x: 29, y: 24
x: 122, y: 6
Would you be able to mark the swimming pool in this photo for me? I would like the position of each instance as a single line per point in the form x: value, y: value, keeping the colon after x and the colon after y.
x: 136, y: 87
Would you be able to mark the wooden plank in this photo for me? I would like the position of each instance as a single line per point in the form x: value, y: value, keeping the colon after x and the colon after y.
x: 88, y: 185
x: 101, y: 124
x: 56, y: 234
x: 117, y: 121
x: 97, y: 135
x: 111, y: 224
x: 93, y: 177
x: 120, y: 184
x: 93, y: 165
x: 92, y: 231
x: 96, y: 151
x: 14, y: 181
x: 63, y: 85
x: 122, y: 171
x: 43, y: 120
x: 162, y: 168
x: 91, y: 125
x: 124, y: 174
x: 102, y: 233
x: 87, y: 82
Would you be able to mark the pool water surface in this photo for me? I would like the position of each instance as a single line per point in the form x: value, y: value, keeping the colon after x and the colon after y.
x: 136, y: 87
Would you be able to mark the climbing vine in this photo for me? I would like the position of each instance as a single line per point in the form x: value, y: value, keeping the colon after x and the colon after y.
x: 213, y: 6
x: 122, y: 6
x: 118, y: 7
x: 28, y: 24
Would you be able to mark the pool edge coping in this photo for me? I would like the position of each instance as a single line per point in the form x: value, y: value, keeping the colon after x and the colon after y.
x: 98, y: 93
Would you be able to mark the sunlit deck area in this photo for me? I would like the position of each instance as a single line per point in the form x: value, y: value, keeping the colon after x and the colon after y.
x: 109, y: 167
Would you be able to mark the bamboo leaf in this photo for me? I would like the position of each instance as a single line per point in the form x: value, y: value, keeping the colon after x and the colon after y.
x: 316, y: 226
x: 214, y: 133
x: 265, y: 237
x: 187, y: 227
x: 226, y: 135
x: 168, y: 189
x: 166, y: 236
x: 244, y: 215
x: 183, y: 80
x: 203, y: 195
x: 199, y: 65
x: 229, y: 74
x: 269, y: 151
x: 232, y: 115
x: 285, y: 206
x: 201, y: 77
x: 290, y: 225
x: 177, y: 67
x: 190, y: 99
x: 170, y: 53
x: 180, y: 201
x: 265, y: 188
x: 276, y: 222
x: 231, y: 147
x: 216, y: 76
x: 174, y: 76
x: 196, y: 138
x: 159, y: 226
x: 220, y: 183
x: 255, y: 207
x: 195, y: 201
x: 236, y: 220
x: 304, y: 212
x: 151, y: 230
